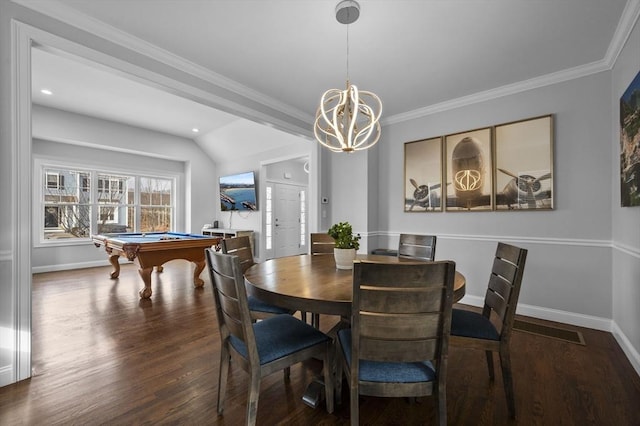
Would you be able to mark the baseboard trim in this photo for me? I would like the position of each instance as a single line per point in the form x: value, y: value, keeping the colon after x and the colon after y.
x: 632, y: 354
x: 6, y: 375
x: 581, y: 320
x: 573, y: 318
x: 68, y: 266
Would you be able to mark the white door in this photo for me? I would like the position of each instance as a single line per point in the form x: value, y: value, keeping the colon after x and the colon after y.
x: 287, y: 223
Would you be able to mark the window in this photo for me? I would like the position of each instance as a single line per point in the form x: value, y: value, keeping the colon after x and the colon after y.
x: 67, y: 210
x: 85, y: 185
x: 156, y: 209
x: 116, y: 208
x: 268, y: 220
x: 303, y: 219
x: 55, y: 181
x: 76, y: 203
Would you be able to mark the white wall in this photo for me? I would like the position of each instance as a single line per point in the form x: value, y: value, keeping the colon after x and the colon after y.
x: 73, y: 254
x: 10, y: 312
x: 253, y: 220
x: 573, y: 274
x: 86, y: 139
x: 293, y: 169
x: 19, y: 28
x: 349, y: 193
x: 626, y: 221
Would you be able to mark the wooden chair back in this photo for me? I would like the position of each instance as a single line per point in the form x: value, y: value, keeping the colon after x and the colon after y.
x: 401, y: 316
x: 491, y: 330
x: 321, y: 243
x: 241, y: 247
x: 402, y: 312
x: 232, y: 308
x: 417, y: 246
x: 504, y: 286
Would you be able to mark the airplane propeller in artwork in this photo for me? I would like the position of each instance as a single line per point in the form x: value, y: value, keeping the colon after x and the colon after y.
x: 424, y: 196
x: 523, y: 189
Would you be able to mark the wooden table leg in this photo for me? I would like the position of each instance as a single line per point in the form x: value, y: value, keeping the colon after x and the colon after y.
x: 113, y: 259
x: 197, y: 281
x: 145, y: 274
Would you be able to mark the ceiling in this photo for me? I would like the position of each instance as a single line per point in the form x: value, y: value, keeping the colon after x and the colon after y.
x: 418, y: 56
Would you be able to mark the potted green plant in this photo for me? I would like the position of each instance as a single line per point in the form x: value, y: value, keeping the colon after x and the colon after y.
x: 346, y: 244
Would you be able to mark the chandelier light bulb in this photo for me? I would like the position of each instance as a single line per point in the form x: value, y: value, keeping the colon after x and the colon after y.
x: 345, y: 122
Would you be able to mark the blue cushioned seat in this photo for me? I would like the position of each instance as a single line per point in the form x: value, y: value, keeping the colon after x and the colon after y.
x: 280, y: 336
x: 258, y: 305
x: 388, y: 372
x: 472, y: 324
x: 260, y: 348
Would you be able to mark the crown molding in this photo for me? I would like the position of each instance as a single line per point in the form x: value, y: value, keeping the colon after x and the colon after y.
x: 623, y: 31
x: 625, y: 26
x: 60, y: 11
x: 510, y: 89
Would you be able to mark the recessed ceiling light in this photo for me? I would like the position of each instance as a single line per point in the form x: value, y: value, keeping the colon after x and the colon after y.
x: 46, y: 92
x: 195, y: 130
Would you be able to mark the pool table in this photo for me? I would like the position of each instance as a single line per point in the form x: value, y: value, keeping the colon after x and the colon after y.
x: 154, y: 249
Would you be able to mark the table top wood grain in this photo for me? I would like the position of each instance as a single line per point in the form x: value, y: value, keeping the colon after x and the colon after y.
x: 313, y: 284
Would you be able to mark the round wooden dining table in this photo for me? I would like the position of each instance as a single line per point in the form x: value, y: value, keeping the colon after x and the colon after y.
x: 311, y: 283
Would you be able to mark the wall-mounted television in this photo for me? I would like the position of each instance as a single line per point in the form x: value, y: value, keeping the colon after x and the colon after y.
x: 238, y: 192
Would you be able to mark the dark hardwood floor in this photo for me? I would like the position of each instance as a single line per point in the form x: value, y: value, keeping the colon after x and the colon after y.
x: 103, y: 356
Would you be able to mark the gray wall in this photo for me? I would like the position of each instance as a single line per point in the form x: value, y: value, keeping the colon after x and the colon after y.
x: 561, y: 281
x: 625, y: 221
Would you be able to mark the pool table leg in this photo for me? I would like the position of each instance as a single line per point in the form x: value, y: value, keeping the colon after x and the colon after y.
x: 113, y: 259
x: 145, y: 274
x: 197, y: 281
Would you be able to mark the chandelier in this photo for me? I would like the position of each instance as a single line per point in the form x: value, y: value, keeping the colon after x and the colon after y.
x: 348, y: 120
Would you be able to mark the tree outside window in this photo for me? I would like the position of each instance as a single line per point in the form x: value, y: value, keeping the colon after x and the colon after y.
x: 77, y: 203
x: 67, y: 208
x: 156, y: 209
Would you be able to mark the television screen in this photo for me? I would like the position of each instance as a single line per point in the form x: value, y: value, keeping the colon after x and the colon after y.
x: 238, y: 192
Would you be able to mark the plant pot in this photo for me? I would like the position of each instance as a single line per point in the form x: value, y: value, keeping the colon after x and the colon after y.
x: 344, y: 258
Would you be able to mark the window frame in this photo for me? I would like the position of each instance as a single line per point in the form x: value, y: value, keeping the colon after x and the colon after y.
x: 40, y: 181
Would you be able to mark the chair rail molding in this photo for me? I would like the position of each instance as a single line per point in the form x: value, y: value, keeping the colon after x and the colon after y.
x: 6, y: 256
x: 631, y: 251
x: 511, y: 239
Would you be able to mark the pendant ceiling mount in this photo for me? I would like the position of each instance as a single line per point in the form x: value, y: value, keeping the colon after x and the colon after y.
x: 347, y: 11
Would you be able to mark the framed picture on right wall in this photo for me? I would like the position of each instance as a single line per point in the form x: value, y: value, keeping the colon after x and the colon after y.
x: 524, y: 165
x: 630, y: 145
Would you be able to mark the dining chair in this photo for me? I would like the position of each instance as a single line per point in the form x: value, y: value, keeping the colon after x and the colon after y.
x: 321, y: 244
x: 241, y: 247
x: 263, y: 347
x: 417, y: 246
x: 398, y: 341
x: 491, y: 329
